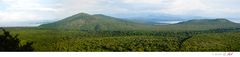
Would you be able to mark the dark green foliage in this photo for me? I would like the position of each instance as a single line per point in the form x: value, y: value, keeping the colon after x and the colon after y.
x: 97, y: 27
x: 182, y: 38
x: 12, y: 43
x: 75, y: 40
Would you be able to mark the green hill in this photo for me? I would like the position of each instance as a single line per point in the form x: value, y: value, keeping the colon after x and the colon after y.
x: 201, y: 24
x: 207, y: 21
x: 85, y: 21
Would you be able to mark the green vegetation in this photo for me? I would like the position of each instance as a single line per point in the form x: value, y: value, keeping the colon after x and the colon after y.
x: 86, y: 22
x: 12, y: 43
x: 84, y: 32
x: 74, y: 40
x: 201, y: 24
x: 83, y: 21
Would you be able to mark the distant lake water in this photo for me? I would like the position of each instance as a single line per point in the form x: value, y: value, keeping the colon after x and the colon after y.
x: 169, y: 22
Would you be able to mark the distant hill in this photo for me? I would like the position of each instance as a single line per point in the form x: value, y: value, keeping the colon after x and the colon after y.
x: 84, y: 21
x: 201, y: 24
x: 155, y: 18
x: 208, y: 21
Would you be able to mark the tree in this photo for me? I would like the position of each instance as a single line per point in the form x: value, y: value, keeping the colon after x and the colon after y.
x: 12, y: 43
x: 97, y: 28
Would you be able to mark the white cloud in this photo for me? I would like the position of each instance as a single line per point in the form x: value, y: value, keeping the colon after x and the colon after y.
x: 23, y: 11
x: 183, y: 6
x: 18, y: 5
x: 205, y: 8
x: 15, y: 16
x: 143, y: 1
x: 34, y: 10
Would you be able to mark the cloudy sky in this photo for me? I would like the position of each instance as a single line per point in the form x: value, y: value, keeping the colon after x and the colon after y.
x: 34, y: 12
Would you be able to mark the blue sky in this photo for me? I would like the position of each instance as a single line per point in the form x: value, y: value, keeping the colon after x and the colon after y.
x: 31, y: 12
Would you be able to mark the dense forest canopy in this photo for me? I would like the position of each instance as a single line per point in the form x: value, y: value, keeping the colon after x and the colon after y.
x: 74, y: 40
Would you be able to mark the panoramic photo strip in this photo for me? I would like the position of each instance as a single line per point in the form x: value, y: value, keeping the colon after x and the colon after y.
x: 127, y: 26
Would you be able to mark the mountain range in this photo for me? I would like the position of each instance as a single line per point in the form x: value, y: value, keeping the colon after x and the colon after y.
x: 151, y: 18
x: 84, y: 21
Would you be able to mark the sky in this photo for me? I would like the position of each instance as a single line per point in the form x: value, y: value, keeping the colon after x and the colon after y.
x: 35, y: 12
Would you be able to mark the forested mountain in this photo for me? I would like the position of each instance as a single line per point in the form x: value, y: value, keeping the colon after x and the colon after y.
x: 208, y: 22
x: 84, y: 21
x: 201, y: 24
